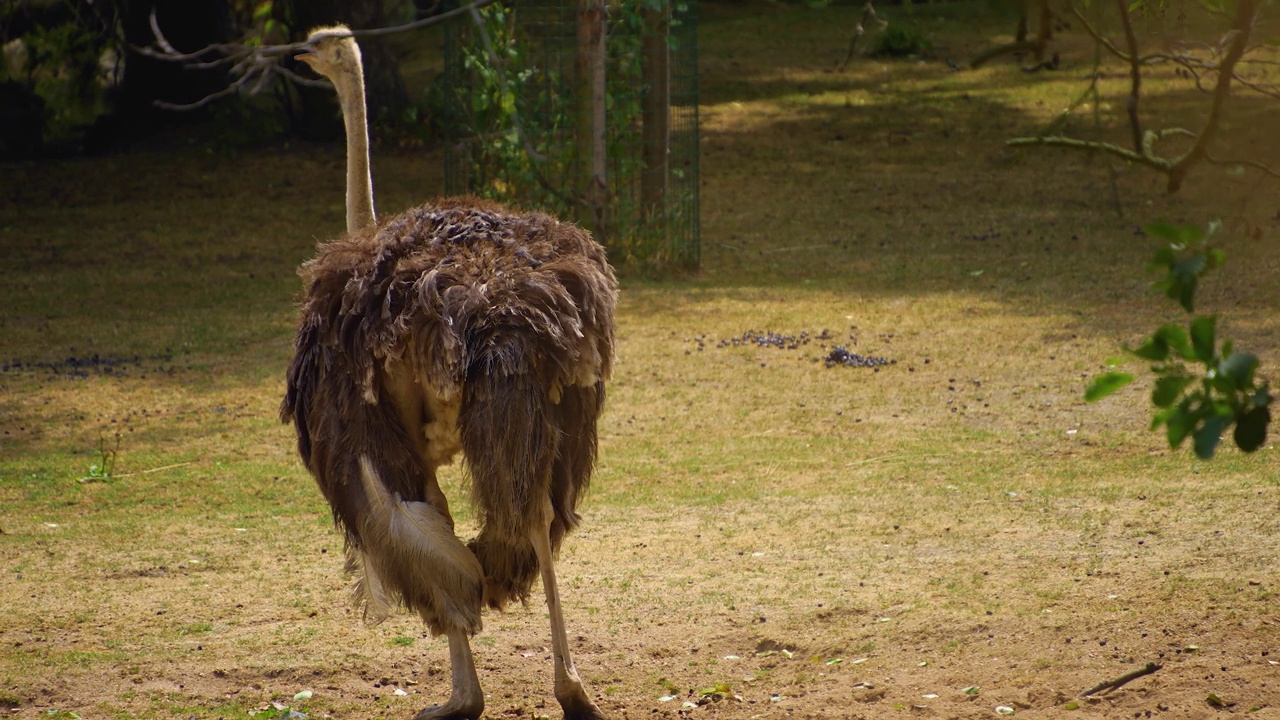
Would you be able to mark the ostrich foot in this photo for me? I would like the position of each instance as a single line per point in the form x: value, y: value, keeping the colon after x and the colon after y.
x: 466, y: 699
x: 575, y: 703
x: 458, y: 708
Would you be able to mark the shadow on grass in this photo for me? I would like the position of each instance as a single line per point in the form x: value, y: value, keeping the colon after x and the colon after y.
x: 888, y: 181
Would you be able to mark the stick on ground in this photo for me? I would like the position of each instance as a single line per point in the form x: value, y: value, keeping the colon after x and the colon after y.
x: 1127, y: 677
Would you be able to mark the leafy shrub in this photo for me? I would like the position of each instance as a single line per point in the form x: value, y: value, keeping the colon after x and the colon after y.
x: 899, y: 40
x: 1197, y: 402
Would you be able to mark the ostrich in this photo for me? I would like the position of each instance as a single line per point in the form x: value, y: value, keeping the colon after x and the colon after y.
x: 458, y: 325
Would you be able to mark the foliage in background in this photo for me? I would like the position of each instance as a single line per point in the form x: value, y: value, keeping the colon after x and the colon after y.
x: 901, y: 40
x: 63, y: 57
x: 508, y: 109
x: 1221, y: 388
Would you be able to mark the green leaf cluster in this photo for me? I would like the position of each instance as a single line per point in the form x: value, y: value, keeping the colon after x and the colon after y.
x: 1202, y: 386
x: 901, y: 40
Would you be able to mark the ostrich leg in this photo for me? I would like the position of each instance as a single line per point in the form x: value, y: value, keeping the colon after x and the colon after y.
x: 569, y: 690
x: 467, y: 699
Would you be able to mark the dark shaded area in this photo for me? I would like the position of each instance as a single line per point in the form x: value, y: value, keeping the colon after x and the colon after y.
x: 905, y: 190
x: 78, y: 86
x: 188, y: 26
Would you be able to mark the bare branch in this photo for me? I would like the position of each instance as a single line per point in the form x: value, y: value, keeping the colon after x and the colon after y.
x: 1239, y: 41
x: 160, y: 40
x: 1151, y: 161
x: 183, y: 107
x: 254, y: 67
x: 1100, y: 39
x: 1110, y: 685
x: 424, y: 22
x: 1097, y: 36
x: 859, y: 30
x: 1272, y: 92
x: 1248, y: 163
x: 1231, y: 48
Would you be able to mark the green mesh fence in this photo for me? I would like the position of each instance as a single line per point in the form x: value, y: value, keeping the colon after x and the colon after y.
x: 509, y: 115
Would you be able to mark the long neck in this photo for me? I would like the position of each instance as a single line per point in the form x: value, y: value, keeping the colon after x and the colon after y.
x: 360, y: 213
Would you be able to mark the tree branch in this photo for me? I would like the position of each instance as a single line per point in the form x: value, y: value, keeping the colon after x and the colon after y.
x: 1231, y: 48
x: 255, y: 66
x: 868, y: 14
x: 1135, y: 74
x: 1239, y: 41
x: 1123, y: 679
x: 1097, y: 36
x: 1250, y: 163
x: 1151, y: 161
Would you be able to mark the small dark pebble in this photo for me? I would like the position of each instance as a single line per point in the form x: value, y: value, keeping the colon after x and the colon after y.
x: 80, y: 366
x: 769, y: 338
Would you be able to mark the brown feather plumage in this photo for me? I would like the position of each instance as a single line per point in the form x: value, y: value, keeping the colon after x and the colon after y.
x: 459, y: 306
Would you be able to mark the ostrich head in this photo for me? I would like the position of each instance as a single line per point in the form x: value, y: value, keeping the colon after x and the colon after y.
x: 335, y: 55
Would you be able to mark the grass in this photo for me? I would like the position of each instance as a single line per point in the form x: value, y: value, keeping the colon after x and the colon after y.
x: 962, y: 507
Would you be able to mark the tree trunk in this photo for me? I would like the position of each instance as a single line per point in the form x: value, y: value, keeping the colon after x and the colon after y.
x: 593, y: 187
x: 1045, y: 32
x: 655, y: 113
x: 1135, y: 75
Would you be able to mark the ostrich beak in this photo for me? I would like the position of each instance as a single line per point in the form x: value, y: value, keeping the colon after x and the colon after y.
x: 307, y: 56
